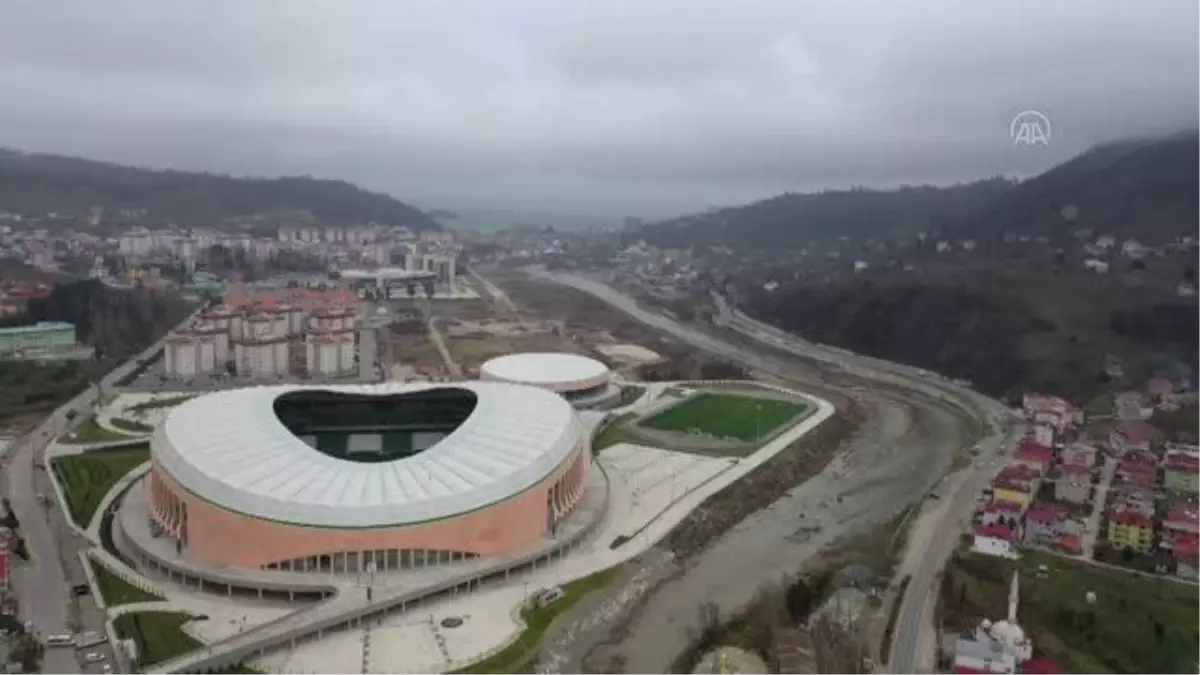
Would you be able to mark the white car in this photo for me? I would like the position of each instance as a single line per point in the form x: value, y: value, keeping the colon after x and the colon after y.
x: 93, y: 657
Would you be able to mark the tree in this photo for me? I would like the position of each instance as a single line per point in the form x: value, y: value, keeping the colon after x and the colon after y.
x: 28, y: 652
x: 1066, y: 616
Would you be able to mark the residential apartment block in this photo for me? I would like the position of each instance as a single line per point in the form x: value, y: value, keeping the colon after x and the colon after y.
x: 1129, y: 530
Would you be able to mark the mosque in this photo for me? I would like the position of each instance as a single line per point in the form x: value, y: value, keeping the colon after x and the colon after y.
x: 1000, y: 647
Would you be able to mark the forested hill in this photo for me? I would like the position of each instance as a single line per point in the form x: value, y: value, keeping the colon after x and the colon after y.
x: 1141, y: 188
x: 792, y: 221
x: 1006, y: 332
x: 35, y: 184
x: 117, y: 322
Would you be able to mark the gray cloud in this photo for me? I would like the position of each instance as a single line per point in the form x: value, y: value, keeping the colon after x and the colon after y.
x: 617, y: 106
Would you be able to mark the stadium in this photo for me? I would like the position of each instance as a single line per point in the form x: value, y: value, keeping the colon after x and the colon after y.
x: 375, y: 477
x: 579, y: 379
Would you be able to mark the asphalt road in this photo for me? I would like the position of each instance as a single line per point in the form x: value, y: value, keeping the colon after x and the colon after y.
x: 913, y: 429
x: 43, y: 584
x: 915, y: 634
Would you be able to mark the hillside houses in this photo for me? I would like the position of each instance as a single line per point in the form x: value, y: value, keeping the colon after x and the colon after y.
x: 1134, y: 435
x: 1032, y: 497
x: 1132, y: 405
x: 1113, y: 490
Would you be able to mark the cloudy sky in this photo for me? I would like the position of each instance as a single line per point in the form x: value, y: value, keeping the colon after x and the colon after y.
x: 646, y: 106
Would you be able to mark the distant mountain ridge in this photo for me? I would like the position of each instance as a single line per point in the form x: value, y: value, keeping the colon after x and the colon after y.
x: 42, y: 183
x: 1133, y: 188
x: 792, y: 221
x: 1145, y: 188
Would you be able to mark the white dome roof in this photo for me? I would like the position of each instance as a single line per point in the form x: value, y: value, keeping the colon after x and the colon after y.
x: 1009, y: 633
x: 552, y: 370
x: 230, y: 449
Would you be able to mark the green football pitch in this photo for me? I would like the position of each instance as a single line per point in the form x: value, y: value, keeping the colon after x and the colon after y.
x: 745, y: 418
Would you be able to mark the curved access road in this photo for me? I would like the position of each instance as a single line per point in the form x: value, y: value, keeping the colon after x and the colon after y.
x: 915, y: 424
x: 43, y: 586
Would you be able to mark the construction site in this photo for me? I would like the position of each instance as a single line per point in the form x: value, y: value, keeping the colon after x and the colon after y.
x: 452, y: 339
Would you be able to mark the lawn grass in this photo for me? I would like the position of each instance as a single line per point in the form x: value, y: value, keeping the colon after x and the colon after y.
x: 1137, y: 625
x: 159, y: 635
x: 745, y: 418
x: 116, y: 591
x: 91, y: 432
x: 516, y: 657
x: 86, y: 478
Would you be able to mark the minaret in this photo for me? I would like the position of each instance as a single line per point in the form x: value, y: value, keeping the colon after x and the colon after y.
x: 1014, y: 595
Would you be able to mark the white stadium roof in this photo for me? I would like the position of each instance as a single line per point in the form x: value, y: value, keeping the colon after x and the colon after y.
x: 230, y: 449
x: 546, y: 369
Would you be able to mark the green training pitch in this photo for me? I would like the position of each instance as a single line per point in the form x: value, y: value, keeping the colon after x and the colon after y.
x: 745, y: 418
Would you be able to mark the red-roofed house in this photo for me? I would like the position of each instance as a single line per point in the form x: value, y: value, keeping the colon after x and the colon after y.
x: 1079, y: 454
x: 1182, y: 472
x: 1159, y: 386
x: 1074, y: 484
x: 1051, y: 410
x: 996, y: 531
x: 1034, y: 455
x: 1164, y: 392
x: 1186, y: 551
x: 1138, y: 468
x: 1070, y: 543
x: 1016, y: 483
x: 1042, y: 525
x: 1004, y: 513
x: 995, y: 540
x: 1134, y: 435
x: 1040, y: 665
x: 1034, y: 402
x: 1182, y: 519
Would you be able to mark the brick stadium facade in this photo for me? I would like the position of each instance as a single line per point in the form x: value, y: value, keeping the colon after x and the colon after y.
x: 224, y: 535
